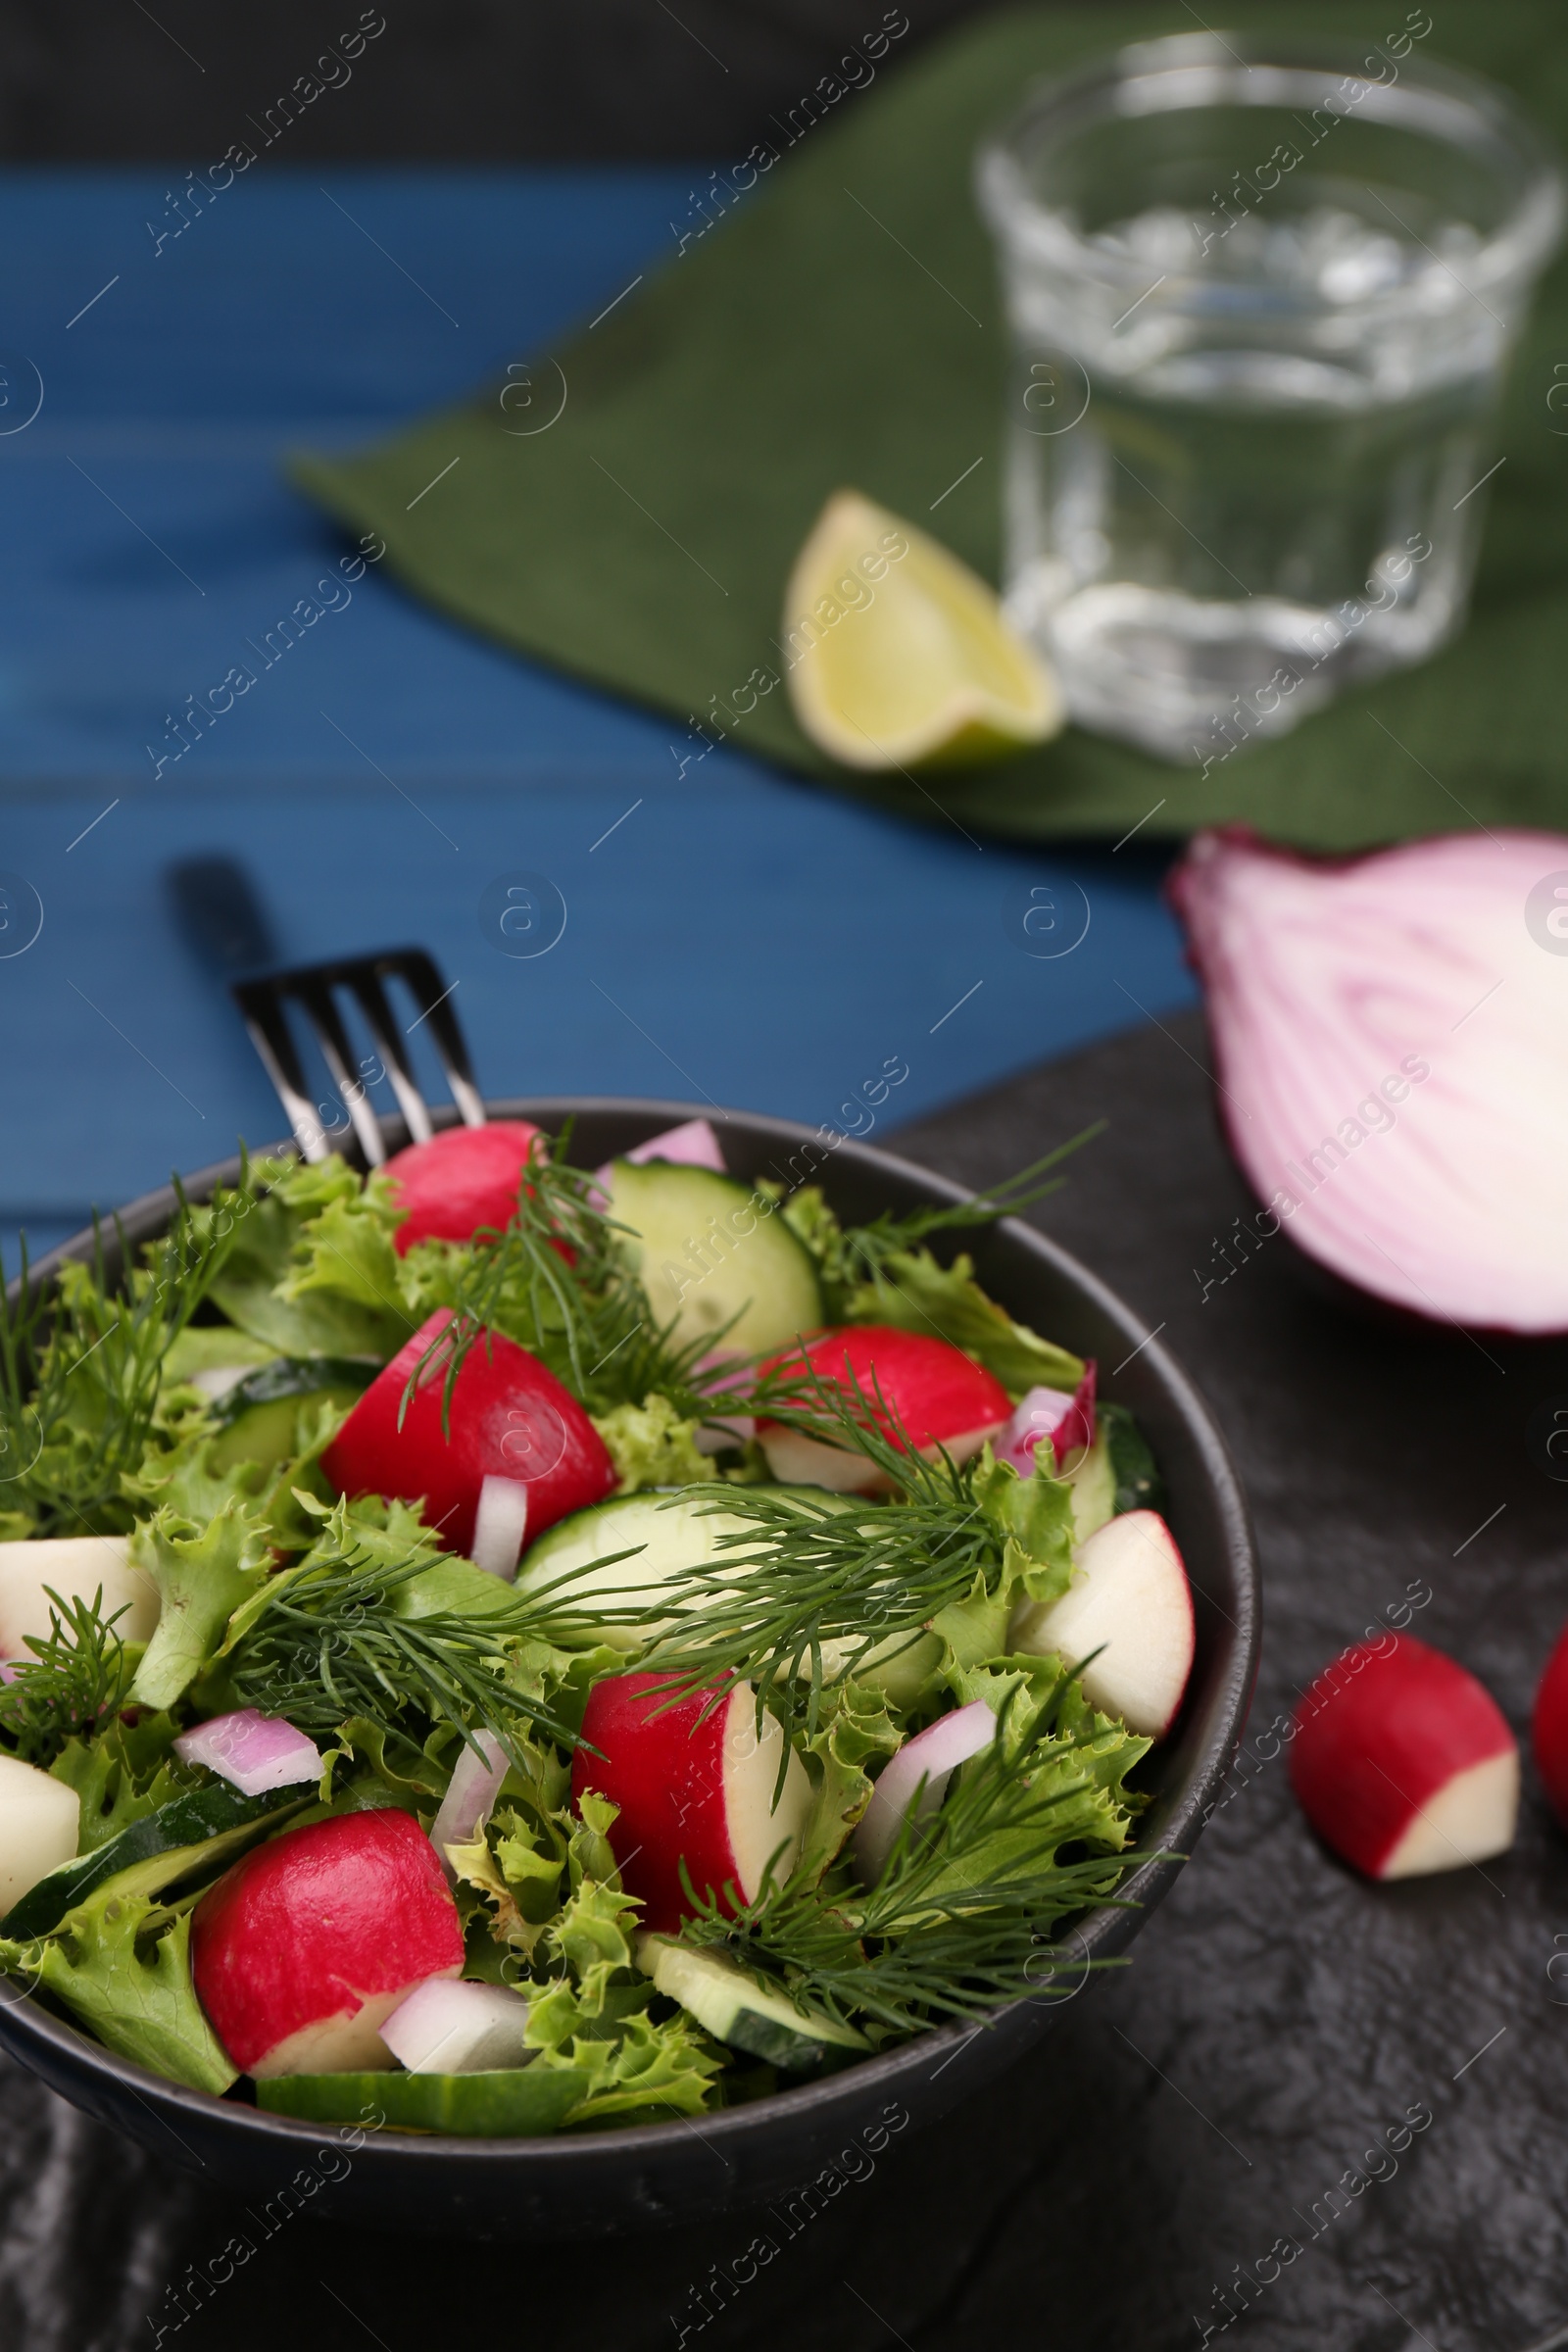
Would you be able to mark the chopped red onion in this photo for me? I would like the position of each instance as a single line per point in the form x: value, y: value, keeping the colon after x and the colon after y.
x: 693, y: 1144
x: 1388, y: 1034
x: 254, y: 1752
x: 1067, y: 1421
x: 500, y: 1525
x: 470, y: 1793
x: 933, y: 1756
x: 446, y: 2027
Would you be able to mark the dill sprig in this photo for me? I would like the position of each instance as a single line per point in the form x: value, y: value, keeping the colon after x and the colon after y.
x: 960, y: 1921
x: 81, y: 1364
x: 862, y: 1251
x: 324, y: 1641
x: 802, y: 1576
x: 557, y: 1280
x: 71, y: 1685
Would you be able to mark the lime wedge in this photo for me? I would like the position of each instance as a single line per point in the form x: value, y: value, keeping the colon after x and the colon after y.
x: 898, y: 656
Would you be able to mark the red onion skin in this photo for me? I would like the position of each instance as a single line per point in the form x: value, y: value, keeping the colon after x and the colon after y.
x: 1184, y: 890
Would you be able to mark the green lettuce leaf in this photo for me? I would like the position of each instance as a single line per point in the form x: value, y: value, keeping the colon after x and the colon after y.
x: 857, y: 1725
x: 274, y: 1247
x: 650, y: 1446
x: 203, y: 1575
x: 123, y: 1774
x: 121, y: 1964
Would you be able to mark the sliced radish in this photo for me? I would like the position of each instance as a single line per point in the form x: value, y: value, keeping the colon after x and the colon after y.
x: 40, y: 1820
x: 511, y: 1420
x: 500, y: 1526
x: 254, y: 1752
x: 938, y: 1396
x: 1131, y: 1606
x: 449, y: 2028
x: 1067, y: 1421
x: 1549, y: 1728
x: 696, y: 1790
x: 930, y: 1758
x: 302, y: 1950
x: 471, y: 1791
x: 463, y: 1180
x: 1402, y: 1763
x: 75, y: 1567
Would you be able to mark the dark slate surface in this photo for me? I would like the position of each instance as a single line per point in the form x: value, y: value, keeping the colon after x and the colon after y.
x: 1181, y: 2118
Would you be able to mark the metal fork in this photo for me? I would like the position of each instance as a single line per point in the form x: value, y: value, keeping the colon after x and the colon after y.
x: 312, y: 986
x: 216, y: 905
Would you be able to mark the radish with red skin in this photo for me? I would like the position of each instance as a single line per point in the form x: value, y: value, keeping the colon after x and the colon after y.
x: 1549, y: 1728
x: 1129, y: 1613
x: 510, y: 1419
x: 689, y: 1790
x: 1404, y: 1763
x: 463, y: 1180
x: 930, y: 1391
x: 302, y: 1949
x: 1388, y: 1040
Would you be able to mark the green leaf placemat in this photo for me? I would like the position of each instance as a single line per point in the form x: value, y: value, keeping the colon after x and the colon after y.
x: 843, y: 326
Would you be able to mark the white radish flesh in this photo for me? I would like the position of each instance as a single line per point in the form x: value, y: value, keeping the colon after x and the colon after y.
x: 931, y: 1757
x: 40, y: 1819
x: 75, y: 1567
x: 1132, y: 1607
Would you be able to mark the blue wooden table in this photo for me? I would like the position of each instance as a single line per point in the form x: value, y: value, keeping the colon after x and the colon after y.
x: 731, y: 934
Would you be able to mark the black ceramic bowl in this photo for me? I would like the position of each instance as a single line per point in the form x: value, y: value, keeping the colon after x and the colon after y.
x: 588, y: 2184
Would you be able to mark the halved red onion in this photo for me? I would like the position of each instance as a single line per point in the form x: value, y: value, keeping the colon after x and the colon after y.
x: 1067, y: 1421
x: 254, y: 1752
x: 932, y: 1756
x: 470, y: 1793
x: 446, y: 2027
x: 500, y: 1525
x: 1389, y: 1036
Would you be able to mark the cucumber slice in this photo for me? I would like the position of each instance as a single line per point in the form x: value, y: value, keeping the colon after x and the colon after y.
x: 706, y: 1252
x: 183, y: 1835
x: 214, y: 1347
x: 736, y: 2009
x: 665, y: 1534
x: 1094, y: 1488
x: 260, y: 1416
x: 519, y: 2102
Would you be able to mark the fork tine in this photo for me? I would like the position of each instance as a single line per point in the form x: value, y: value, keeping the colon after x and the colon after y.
x: 264, y: 1016
x: 366, y: 986
x: 423, y: 979
x: 315, y: 992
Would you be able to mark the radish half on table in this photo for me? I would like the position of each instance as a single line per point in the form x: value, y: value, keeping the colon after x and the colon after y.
x: 1402, y: 1763
x: 462, y: 1182
x: 910, y: 1388
x: 519, y: 1452
x: 301, y: 1950
x: 1129, y: 1613
x: 1549, y: 1728
x: 692, y: 1788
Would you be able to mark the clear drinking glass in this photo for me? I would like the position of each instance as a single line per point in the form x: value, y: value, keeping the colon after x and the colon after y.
x: 1262, y: 296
